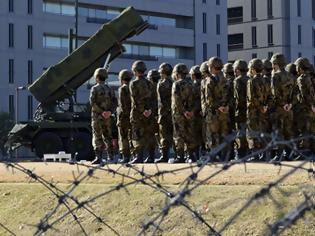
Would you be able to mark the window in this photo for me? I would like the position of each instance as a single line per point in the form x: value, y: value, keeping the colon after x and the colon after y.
x: 299, y: 54
x: 67, y: 9
x: 314, y: 38
x: 11, y: 6
x: 235, y: 41
x: 156, y: 51
x: 313, y: 60
x: 11, y: 71
x: 204, y: 1
x: 29, y: 7
x: 30, y: 107
x: 313, y: 9
x: 59, y: 8
x: 253, y: 9
x: 169, y: 52
x: 151, y: 51
x: 29, y: 37
x: 269, y: 8
x: 270, y: 35
x: 218, y: 2
x: 204, y: 51
x: 299, y: 34
x: 56, y: 42
x: 218, y: 50
x: 29, y: 71
x: 11, y: 35
x: 270, y: 54
x: 204, y: 23
x: 298, y: 8
x: 218, y: 21
x: 254, y: 37
x: 11, y: 106
x: 254, y: 55
x: 235, y: 15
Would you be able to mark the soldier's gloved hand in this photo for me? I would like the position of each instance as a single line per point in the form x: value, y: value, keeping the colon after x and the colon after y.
x: 106, y: 114
x: 188, y: 115
x: 147, y: 113
x: 313, y: 109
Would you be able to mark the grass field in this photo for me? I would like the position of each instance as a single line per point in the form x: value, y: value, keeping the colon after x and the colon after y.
x: 24, y: 204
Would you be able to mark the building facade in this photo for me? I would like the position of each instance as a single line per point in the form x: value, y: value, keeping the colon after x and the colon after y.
x: 34, y: 36
x: 260, y: 28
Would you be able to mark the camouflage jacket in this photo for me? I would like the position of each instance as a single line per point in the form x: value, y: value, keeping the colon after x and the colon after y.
x: 164, y: 93
x: 267, y: 90
x: 155, y: 99
x: 197, y: 97
x: 216, y: 92
x: 256, y: 98
x: 142, y: 98
x: 203, y: 95
x: 240, y: 87
x: 182, y: 97
x: 305, y: 94
x: 102, y: 98
x: 124, y: 104
x: 282, y: 88
x: 230, y: 81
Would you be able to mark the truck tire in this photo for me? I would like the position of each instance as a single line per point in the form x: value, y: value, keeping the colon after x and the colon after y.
x: 47, y: 143
x: 82, y: 145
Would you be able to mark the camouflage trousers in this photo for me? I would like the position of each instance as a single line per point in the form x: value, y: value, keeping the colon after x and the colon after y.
x: 217, y: 128
x: 255, y: 126
x: 282, y: 121
x: 240, y: 126
x: 124, y: 138
x: 166, y: 133
x: 184, y: 138
x: 199, y: 136
x: 143, y: 137
x: 102, y: 133
x: 306, y: 127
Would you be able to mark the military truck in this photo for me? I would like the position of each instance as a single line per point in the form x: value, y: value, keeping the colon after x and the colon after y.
x: 60, y: 124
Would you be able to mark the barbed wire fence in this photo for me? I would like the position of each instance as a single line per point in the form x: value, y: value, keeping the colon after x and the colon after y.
x: 132, y: 175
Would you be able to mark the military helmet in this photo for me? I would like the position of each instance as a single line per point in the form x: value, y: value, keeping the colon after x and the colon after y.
x: 139, y: 66
x: 256, y: 64
x: 125, y: 75
x: 165, y: 68
x: 303, y: 63
x: 204, y: 69
x: 153, y: 75
x: 240, y: 65
x: 291, y: 68
x: 278, y: 59
x: 195, y: 70
x: 215, y: 62
x: 180, y: 68
x: 101, y: 72
x: 228, y: 68
x: 267, y: 64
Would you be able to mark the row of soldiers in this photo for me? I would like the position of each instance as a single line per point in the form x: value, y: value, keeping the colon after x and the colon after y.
x: 193, y: 111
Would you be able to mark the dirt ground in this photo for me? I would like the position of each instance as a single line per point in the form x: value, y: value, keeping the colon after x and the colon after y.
x: 240, y: 174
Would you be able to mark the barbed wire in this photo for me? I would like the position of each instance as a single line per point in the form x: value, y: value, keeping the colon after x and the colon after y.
x: 68, y: 204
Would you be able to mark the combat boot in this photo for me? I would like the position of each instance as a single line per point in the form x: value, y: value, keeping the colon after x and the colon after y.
x: 150, y: 158
x: 125, y: 159
x: 164, y: 156
x: 191, y: 157
x: 98, y: 158
x: 179, y: 158
x: 137, y: 158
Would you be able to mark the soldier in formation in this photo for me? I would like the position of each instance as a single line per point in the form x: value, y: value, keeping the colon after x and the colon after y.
x: 188, y: 111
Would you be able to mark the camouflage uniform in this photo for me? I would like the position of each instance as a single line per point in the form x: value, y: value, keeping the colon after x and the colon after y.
x: 183, y: 101
x: 255, y: 103
x: 102, y: 99
x: 142, y: 99
x: 217, y: 91
x: 196, y: 77
x: 229, y: 75
x: 154, y: 77
x: 282, y: 91
x: 123, y: 115
x: 305, y: 101
x: 164, y: 92
x: 266, y: 117
x: 205, y: 76
x: 240, y: 88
